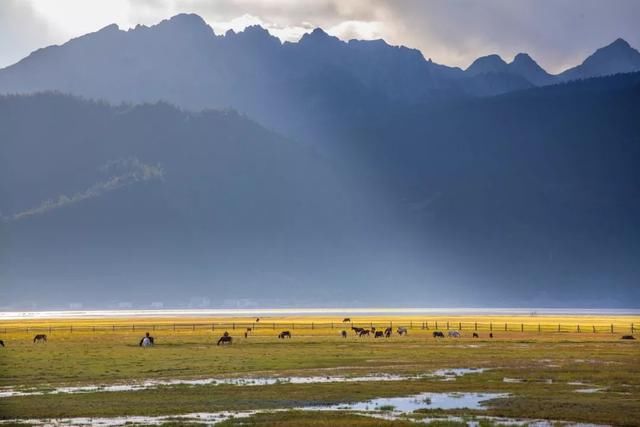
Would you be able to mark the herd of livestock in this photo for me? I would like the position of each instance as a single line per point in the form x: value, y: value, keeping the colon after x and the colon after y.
x: 148, y: 340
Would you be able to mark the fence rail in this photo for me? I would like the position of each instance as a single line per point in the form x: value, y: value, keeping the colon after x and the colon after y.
x: 427, y: 325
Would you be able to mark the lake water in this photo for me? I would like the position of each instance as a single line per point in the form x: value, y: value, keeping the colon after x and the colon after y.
x: 258, y: 312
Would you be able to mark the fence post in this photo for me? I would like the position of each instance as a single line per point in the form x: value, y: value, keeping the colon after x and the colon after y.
x: 594, y: 329
x: 538, y: 327
x: 447, y: 324
x: 632, y: 328
x: 521, y: 327
x: 491, y: 326
x: 505, y: 326
x: 411, y: 324
x: 71, y: 328
x: 311, y: 325
x: 558, y: 327
x: 578, y: 328
x: 436, y: 324
x: 174, y: 327
x: 475, y: 326
x: 460, y: 325
x: 331, y: 325
x: 274, y: 326
x: 233, y: 325
x: 612, y: 328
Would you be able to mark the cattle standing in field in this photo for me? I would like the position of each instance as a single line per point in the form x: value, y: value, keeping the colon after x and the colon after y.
x: 147, y: 341
x: 40, y: 338
x: 490, y: 334
x: 454, y: 334
x: 1, y: 343
x: 344, y: 334
x: 284, y: 334
x: 402, y: 330
x: 438, y: 334
x: 363, y: 332
x: 346, y: 319
x: 475, y: 335
x: 378, y: 334
x: 628, y: 337
x: 387, y: 332
x: 225, y: 339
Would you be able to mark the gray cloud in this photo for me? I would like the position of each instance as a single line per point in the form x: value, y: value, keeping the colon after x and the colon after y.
x: 558, y: 34
x: 129, y: 172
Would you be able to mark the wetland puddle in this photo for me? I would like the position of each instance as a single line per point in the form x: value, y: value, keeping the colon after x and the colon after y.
x: 387, y: 407
x: 443, y: 374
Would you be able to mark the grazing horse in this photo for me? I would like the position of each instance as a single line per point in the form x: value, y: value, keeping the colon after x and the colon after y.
x: 387, y: 332
x: 628, y: 337
x: 454, y: 334
x: 257, y: 320
x: 284, y: 334
x: 40, y: 338
x: 363, y: 332
x: 438, y: 334
x: 402, y: 330
x: 378, y: 334
x: 357, y: 330
x: 225, y: 339
x: 1, y: 343
x: 344, y: 334
x: 147, y: 341
x: 490, y: 334
x: 346, y: 319
x: 475, y: 335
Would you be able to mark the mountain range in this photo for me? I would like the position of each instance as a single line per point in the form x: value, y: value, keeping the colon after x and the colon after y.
x: 182, y: 61
x: 169, y: 164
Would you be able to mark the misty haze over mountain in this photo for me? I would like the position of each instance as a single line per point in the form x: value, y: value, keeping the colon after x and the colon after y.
x: 170, y: 164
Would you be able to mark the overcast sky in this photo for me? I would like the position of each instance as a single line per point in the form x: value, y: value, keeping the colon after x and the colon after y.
x: 557, y: 33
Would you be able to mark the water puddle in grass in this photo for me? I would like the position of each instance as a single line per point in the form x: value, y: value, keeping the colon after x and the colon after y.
x: 589, y: 390
x: 444, y: 374
x: 381, y: 407
x: 409, y: 404
x: 523, y: 380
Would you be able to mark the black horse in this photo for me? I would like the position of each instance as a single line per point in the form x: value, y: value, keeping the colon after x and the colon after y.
x: 346, y: 319
x: 1, y: 343
x: 438, y: 334
x: 363, y: 332
x: 225, y: 339
x: 344, y: 334
x: 284, y: 334
x: 388, y: 332
x: 628, y: 337
x: 475, y: 335
x: 378, y: 334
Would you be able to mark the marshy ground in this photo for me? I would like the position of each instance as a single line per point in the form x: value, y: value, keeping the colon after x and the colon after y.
x: 82, y: 374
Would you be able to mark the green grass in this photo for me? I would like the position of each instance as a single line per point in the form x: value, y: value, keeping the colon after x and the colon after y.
x: 107, y: 358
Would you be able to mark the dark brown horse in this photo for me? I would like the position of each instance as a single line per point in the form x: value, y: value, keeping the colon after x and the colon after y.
x: 475, y: 335
x: 387, y: 332
x: 438, y: 334
x: 40, y: 338
x: 379, y: 334
x: 1, y: 343
x: 284, y: 334
x: 363, y: 332
x: 344, y: 334
x: 346, y: 319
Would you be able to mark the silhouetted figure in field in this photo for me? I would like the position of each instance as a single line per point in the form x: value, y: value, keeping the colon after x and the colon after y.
x: 284, y: 334
x: 225, y: 339
x: 40, y: 338
x: 1, y: 343
x: 344, y: 334
x: 146, y: 341
x: 438, y: 334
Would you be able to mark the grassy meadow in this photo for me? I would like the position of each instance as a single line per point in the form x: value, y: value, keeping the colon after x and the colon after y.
x: 548, y: 367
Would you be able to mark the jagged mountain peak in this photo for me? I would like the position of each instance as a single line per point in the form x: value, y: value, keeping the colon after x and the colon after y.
x: 487, y: 64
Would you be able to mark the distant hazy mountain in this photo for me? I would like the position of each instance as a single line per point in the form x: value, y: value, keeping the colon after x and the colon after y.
x: 618, y: 57
x: 182, y: 61
x: 531, y: 197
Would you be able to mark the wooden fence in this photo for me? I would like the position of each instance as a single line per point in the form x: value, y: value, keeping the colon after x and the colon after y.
x: 426, y: 325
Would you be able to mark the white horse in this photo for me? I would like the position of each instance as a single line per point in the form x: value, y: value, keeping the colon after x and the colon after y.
x: 454, y: 334
x: 146, y: 342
